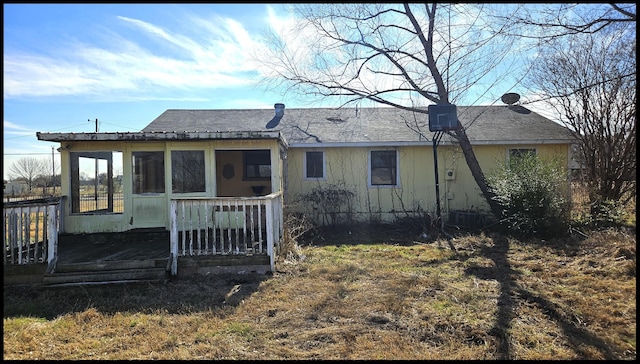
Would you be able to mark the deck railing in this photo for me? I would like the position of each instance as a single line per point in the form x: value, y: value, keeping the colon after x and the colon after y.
x: 226, y: 226
x: 31, y: 231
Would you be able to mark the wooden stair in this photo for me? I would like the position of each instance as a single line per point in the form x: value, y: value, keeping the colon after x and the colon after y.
x: 107, y: 272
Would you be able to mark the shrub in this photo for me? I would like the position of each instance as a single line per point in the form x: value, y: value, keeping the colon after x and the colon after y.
x: 332, y: 200
x: 295, y: 226
x: 605, y: 214
x: 532, y: 192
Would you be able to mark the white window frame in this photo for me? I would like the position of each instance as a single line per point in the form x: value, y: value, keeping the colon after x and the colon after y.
x: 324, y: 166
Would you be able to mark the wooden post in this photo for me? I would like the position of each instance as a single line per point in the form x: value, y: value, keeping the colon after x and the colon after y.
x: 270, y: 237
x: 52, y: 234
x: 173, y: 226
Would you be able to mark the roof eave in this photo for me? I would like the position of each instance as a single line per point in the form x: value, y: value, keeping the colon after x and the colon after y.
x: 154, y: 136
x: 428, y: 143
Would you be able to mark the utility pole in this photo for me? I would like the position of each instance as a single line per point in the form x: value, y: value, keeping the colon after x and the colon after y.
x: 53, y: 171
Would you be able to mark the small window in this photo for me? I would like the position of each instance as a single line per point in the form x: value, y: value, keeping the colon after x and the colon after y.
x: 148, y: 172
x: 187, y: 171
x: 383, y: 168
x: 519, y: 153
x: 257, y: 165
x: 314, y: 165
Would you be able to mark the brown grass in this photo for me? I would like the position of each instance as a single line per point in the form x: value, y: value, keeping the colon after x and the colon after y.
x: 371, y: 292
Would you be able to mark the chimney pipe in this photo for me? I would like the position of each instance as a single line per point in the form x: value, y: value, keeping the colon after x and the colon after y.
x: 279, y: 109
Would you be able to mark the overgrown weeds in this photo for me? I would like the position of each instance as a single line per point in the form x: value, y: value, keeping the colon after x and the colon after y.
x: 360, y: 292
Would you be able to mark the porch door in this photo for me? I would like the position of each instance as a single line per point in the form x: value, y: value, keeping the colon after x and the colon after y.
x: 149, y: 207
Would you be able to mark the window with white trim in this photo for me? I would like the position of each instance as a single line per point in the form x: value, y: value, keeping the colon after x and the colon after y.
x: 383, y: 168
x: 520, y: 152
x: 314, y: 165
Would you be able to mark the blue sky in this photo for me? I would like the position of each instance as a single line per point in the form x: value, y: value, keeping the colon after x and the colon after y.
x: 66, y: 65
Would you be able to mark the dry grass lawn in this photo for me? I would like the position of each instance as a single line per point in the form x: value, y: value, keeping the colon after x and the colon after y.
x: 367, y: 292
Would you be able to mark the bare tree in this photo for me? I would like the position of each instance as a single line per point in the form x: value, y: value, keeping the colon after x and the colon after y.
x: 405, y: 56
x: 591, y: 81
x: 551, y: 21
x: 28, y: 169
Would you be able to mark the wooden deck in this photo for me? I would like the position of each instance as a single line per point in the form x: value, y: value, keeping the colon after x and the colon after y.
x: 206, y: 235
x: 133, y: 256
x: 135, y: 245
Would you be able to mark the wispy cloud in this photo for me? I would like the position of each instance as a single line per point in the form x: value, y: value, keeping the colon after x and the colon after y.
x: 10, y: 128
x: 217, y: 58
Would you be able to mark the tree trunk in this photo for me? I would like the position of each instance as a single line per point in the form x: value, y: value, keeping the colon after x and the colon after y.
x: 476, y: 171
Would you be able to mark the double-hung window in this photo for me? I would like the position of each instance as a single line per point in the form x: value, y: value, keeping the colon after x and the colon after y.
x: 314, y: 165
x: 383, y: 168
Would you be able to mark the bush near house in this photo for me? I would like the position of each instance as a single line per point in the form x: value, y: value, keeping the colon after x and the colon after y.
x: 534, y: 196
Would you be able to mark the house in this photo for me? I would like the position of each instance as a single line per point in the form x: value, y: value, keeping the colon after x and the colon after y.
x: 217, y: 181
x: 378, y: 162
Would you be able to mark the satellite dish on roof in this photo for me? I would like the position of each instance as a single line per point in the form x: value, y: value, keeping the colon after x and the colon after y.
x: 510, y: 98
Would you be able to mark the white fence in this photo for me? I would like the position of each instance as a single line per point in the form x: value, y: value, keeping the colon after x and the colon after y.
x: 31, y: 231
x: 226, y: 226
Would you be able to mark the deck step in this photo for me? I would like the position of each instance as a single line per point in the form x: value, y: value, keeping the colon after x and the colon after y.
x: 105, y: 276
x: 110, y: 265
x: 99, y: 283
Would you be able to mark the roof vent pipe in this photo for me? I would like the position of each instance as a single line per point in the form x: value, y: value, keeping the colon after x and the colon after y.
x: 279, y: 109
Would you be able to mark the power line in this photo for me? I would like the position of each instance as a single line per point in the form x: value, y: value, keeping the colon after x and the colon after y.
x: 5, y: 154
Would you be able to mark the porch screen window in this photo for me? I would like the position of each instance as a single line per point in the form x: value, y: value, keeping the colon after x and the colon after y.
x: 314, y: 165
x: 187, y: 171
x: 257, y: 164
x: 383, y: 169
x: 96, y: 182
x: 148, y: 172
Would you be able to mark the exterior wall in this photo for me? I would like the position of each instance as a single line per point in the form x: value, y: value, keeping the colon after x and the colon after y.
x: 462, y: 192
x: 152, y: 209
x: 347, y: 169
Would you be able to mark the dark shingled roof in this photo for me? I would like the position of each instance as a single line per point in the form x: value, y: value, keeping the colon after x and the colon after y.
x: 484, y: 124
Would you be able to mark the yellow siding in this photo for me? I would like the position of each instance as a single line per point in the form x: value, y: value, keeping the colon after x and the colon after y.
x: 462, y: 192
x: 347, y: 167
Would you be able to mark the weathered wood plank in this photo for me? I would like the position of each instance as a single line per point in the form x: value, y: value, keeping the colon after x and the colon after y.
x: 104, y: 276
